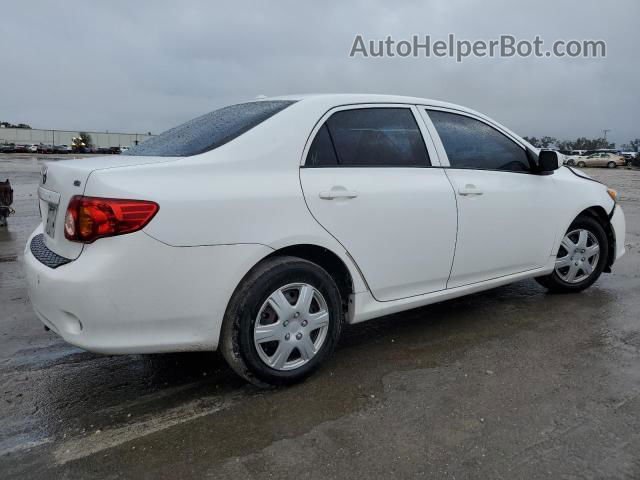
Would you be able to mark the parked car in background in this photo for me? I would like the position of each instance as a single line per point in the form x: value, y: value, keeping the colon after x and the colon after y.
x: 124, y: 149
x: 302, y: 214
x: 629, y: 157
x: 566, y: 157
x: 21, y: 148
x: 44, y: 148
x: 601, y: 150
x: 85, y: 149
x: 602, y: 159
x: 7, y: 148
x: 62, y: 149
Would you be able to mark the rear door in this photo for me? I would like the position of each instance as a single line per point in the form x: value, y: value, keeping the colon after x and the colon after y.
x: 505, y: 212
x: 367, y: 178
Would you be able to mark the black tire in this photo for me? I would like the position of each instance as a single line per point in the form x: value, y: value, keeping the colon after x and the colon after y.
x: 555, y: 283
x: 238, y: 326
x: 611, y: 165
x: 582, y: 164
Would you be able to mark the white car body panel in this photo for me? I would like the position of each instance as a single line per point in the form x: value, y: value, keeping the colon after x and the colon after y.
x: 578, y: 194
x: 366, y: 307
x: 508, y: 203
x: 395, y: 198
x: 66, y: 173
x: 133, y: 294
x: 619, y: 229
x: 166, y: 288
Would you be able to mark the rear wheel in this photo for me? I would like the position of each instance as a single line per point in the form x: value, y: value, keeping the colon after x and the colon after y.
x: 611, y: 165
x: 283, y: 322
x: 581, y: 257
x: 582, y: 164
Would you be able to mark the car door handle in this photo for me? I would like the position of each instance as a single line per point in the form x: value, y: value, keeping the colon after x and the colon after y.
x: 470, y: 189
x: 338, y: 193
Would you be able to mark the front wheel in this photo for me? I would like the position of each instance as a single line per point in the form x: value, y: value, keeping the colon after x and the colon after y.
x: 283, y: 322
x: 611, y: 165
x: 581, y: 257
x: 582, y: 164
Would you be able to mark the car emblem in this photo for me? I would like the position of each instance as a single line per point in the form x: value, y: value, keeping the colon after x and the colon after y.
x: 44, y: 175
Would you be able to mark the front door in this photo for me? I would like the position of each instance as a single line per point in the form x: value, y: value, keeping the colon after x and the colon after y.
x: 504, y: 210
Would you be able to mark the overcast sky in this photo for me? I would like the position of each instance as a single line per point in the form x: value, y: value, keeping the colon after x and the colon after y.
x: 138, y: 66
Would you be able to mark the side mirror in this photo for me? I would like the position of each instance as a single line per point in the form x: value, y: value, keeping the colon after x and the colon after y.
x: 548, y: 161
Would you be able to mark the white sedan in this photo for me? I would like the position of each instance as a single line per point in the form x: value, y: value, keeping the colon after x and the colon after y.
x: 259, y: 229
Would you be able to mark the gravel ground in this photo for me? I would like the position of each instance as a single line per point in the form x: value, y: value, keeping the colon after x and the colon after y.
x: 510, y: 383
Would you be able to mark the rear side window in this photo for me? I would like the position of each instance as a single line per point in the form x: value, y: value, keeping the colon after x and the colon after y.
x: 470, y: 143
x: 322, y: 153
x: 209, y: 131
x: 369, y: 137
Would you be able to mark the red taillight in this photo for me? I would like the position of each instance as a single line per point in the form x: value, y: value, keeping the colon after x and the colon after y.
x: 90, y: 218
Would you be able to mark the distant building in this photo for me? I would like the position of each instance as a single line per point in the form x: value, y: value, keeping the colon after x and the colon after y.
x: 64, y: 137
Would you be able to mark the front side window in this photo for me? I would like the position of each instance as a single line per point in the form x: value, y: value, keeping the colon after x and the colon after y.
x: 209, y: 131
x: 369, y: 137
x: 470, y: 143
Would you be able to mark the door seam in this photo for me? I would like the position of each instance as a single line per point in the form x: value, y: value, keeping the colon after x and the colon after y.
x: 455, y: 245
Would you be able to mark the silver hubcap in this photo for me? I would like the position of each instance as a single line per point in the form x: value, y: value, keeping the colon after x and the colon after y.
x: 578, y: 256
x: 291, y: 326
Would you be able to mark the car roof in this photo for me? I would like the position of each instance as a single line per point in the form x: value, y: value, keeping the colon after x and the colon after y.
x: 323, y: 102
x: 337, y: 99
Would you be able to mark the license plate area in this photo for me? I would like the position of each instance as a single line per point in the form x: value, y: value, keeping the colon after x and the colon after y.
x: 49, y: 201
x: 50, y: 227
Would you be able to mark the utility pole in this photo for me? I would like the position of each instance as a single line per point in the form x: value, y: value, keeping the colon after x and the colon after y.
x: 606, y: 130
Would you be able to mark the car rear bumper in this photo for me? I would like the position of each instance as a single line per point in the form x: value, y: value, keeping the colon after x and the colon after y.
x: 134, y: 294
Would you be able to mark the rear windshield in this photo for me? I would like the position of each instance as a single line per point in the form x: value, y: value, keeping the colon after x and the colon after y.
x: 209, y: 131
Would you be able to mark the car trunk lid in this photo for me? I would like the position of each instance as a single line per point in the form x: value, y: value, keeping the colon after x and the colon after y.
x: 60, y: 181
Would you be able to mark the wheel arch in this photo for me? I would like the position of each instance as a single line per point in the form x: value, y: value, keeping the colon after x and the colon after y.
x: 342, y: 269
x: 328, y: 260
x: 598, y: 213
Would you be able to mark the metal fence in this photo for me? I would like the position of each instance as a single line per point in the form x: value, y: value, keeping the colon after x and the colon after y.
x: 64, y: 137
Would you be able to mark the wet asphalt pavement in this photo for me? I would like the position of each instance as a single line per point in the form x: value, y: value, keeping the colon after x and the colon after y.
x: 510, y: 383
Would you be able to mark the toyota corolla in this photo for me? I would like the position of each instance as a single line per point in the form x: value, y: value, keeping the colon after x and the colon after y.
x: 261, y: 228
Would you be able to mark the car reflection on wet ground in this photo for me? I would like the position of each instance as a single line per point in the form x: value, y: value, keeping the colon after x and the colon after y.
x: 513, y: 383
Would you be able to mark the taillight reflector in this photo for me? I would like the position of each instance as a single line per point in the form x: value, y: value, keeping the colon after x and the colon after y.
x: 90, y: 218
